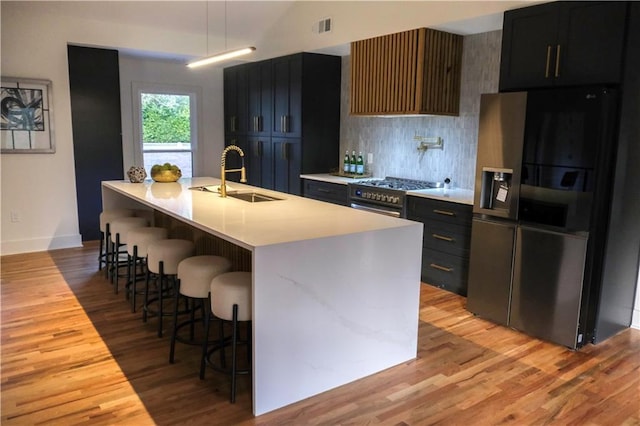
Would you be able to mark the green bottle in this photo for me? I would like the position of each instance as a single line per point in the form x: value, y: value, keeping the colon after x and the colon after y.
x: 360, y: 164
x: 352, y: 163
x: 347, y: 162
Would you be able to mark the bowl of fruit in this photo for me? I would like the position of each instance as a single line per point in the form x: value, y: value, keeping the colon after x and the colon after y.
x: 166, y: 172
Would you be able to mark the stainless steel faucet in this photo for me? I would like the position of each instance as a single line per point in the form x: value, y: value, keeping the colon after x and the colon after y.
x: 223, y: 171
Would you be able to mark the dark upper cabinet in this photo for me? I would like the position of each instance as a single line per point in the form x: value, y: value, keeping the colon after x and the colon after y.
x: 300, y: 107
x: 235, y: 100
x: 287, y: 96
x: 259, y: 96
x: 563, y: 44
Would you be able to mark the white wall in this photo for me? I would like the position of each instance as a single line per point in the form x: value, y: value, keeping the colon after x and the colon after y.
x: 41, y: 187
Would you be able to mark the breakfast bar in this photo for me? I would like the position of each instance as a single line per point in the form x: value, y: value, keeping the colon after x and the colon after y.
x: 335, y: 290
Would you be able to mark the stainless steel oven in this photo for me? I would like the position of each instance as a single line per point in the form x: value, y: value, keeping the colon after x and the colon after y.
x: 385, y: 196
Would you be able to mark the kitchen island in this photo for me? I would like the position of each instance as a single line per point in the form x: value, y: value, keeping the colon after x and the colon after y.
x: 335, y: 290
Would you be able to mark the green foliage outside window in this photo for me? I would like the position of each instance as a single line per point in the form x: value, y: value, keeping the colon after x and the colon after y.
x: 165, y: 118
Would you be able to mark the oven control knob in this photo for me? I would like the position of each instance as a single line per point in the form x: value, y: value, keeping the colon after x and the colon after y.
x: 367, y: 194
x: 395, y: 200
x: 384, y: 198
x: 378, y: 197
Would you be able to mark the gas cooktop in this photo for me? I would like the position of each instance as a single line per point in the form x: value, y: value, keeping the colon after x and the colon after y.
x: 400, y: 184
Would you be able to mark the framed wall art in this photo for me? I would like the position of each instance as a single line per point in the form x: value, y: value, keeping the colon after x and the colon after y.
x: 26, y: 117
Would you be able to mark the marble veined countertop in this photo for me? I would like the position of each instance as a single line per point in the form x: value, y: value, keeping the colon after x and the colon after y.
x: 251, y: 225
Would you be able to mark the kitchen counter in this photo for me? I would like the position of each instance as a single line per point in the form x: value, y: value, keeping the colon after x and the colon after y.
x: 335, y: 290
x: 461, y: 196
x: 326, y: 177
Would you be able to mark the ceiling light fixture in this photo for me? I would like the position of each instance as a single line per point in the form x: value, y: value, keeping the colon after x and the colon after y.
x: 219, y: 57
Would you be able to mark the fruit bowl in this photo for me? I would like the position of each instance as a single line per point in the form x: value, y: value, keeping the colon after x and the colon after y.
x: 166, y: 176
x: 165, y: 173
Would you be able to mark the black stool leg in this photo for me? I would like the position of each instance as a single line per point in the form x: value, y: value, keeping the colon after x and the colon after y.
x: 107, y: 241
x: 101, y: 251
x: 175, y: 323
x: 205, y: 339
x: 145, y: 306
x: 160, y: 298
x: 234, y: 342
x: 117, y: 263
x: 132, y: 284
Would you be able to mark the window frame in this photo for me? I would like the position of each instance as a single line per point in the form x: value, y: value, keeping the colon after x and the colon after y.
x: 195, y: 106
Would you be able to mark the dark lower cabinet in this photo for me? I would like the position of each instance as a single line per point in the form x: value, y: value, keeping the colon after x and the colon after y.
x: 563, y: 44
x: 326, y: 191
x: 287, y: 153
x: 446, y: 241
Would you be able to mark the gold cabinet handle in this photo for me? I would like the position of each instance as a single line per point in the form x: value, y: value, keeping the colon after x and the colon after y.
x: 285, y: 151
x: 444, y: 212
x: 232, y: 123
x: 546, y: 69
x: 442, y: 268
x: 442, y: 237
x: 558, y: 61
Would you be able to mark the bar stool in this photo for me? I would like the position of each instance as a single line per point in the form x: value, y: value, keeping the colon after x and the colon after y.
x: 194, y: 282
x: 163, y: 257
x: 230, y: 301
x: 106, y: 216
x: 120, y: 227
x: 138, y: 240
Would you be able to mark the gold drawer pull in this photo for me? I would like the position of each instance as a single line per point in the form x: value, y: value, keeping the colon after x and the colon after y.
x: 443, y: 238
x: 558, y: 61
x: 442, y: 268
x: 444, y: 212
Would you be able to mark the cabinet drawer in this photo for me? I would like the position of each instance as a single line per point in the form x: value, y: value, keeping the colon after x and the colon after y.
x: 451, y: 239
x: 445, y: 271
x: 425, y: 210
x: 324, y: 191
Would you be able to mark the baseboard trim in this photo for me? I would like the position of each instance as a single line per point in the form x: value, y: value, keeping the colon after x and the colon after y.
x: 40, y: 244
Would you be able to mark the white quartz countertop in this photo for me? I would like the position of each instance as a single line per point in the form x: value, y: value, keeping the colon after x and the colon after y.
x: 461, y: 196
x: 251, y: 225
x: 326, y: 177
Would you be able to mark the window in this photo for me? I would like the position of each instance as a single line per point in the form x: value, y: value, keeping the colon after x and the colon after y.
x: 166, y: 127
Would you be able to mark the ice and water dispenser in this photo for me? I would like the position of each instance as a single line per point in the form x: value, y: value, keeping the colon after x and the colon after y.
x: 496, y: 190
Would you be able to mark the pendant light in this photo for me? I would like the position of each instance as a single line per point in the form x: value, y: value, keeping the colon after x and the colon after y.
x: 223, y: 56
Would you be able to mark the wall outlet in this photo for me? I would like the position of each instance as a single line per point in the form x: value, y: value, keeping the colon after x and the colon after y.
x: 15, y: 216
x: 369, y: 158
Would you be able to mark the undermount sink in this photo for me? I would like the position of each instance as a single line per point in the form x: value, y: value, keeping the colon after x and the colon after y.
x: 253, y: 197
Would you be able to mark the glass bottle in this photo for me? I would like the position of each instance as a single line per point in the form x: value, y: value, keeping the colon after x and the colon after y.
x: 360, y: 164
x: 352, y: 163
x: 347, y: 162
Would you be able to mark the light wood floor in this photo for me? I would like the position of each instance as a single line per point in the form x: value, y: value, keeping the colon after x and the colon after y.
x: 73, y: 353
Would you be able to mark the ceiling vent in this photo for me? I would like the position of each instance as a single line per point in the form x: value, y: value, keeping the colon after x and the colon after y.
x: 323, y: 26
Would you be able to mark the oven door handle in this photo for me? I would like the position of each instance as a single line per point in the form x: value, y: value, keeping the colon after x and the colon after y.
x: 375, y: 210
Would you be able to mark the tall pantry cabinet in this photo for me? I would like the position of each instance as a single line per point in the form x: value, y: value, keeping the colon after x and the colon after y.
x: 285, y: 115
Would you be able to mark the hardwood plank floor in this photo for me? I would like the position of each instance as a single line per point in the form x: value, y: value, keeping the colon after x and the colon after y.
x: 73, y: 353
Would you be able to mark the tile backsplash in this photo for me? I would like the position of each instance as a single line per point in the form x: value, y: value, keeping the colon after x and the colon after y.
x: 391, y: 140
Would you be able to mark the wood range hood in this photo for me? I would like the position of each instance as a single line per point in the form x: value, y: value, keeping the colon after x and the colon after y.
x: 407, y: 73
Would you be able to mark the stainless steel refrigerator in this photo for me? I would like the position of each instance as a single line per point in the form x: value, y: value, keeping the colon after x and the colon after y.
x: 544, y: 161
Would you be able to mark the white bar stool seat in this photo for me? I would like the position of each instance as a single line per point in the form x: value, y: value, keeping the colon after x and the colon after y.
x: 138, y: 240
x: 120, y: 227
x: 230, y: 301
x: 163, y: 257
x: 194, y: 282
